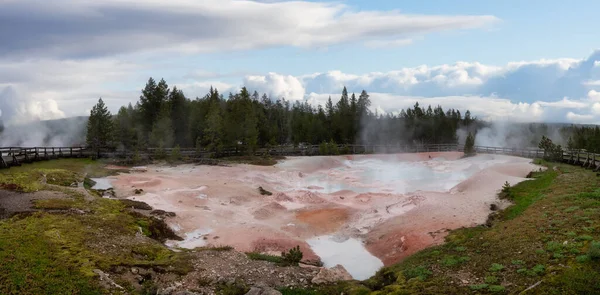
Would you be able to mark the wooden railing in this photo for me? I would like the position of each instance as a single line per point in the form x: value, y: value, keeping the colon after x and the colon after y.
x: 14, y: 156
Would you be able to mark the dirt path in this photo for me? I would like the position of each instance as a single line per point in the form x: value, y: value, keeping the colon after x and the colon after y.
x: 14, y: 202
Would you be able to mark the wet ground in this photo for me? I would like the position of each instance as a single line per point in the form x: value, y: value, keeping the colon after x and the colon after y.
x: 377, y: 209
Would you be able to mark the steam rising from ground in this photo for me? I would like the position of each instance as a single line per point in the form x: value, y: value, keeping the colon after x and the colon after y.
x: 55, y: 133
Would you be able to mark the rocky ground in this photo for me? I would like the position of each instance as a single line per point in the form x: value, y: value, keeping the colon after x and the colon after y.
x: 215, y: 270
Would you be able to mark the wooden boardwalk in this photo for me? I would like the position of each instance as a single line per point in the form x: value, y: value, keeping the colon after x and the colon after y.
x: 15, y: 156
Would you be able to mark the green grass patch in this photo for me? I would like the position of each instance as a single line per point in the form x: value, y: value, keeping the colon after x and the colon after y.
x: 253, y: 160
x: 496, y: 267
x: 44, y: 253
x: 528, y: 192
x: 265, y: 257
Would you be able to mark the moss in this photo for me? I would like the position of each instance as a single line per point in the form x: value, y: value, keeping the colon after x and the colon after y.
x: 44, y: 253
x: 57, y: 204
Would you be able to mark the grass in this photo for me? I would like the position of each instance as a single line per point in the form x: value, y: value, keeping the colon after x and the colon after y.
x: 547, y: 235
x: 254, y: 160
x: 265, y: 257
x: 44, y: 253
x: 62, y: 172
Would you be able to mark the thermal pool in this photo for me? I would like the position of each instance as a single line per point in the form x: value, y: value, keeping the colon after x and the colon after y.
x: 359, y: 211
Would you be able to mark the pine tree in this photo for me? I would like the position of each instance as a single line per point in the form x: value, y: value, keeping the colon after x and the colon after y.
x: 213, y: 134
x: 179, y: 116
x: 99, y: 128
x: 470, y: 145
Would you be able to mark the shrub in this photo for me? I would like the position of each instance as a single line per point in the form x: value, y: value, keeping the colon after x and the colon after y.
x: 175, y: 155
x: 293, y: 256
x: 324, y: 148
x: 478, y: 287
x: 496, y: 288
x: 333, y: 148
x: 470, y: 145
x: 265, y: 257
x: 237, y: 288
x: 491, y: 280
x: 552, y: 152
x: 582, y: 258
x: 538, y: 269
x: 496, y: 267
x: 594, y: 251
x: 506, y: 187
x: 419, y: 272
x: 136, y: 157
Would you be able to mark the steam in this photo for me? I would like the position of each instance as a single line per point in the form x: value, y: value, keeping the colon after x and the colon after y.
x: 516, y: 135
x: 28, y: 122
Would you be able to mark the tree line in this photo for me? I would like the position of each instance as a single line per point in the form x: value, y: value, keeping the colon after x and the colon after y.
x: 164, y: 117
x: 584, y: 138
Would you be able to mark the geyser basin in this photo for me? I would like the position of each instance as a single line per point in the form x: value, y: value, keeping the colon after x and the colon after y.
x: 379, y: 208
x: 388, y: 174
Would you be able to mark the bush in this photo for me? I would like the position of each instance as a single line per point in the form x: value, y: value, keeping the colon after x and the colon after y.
x: 333, y: 148
x: 496, y: 267
x: 470, y: 145
x: 324, y: 148
x: 419, y: 272
x: 175, y: 155
x: 496, y: 288
x: 594, y: 251
x: 293, y: 256
x: 552, y: 152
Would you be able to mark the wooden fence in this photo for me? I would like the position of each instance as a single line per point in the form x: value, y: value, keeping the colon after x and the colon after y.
x: 14, y: 156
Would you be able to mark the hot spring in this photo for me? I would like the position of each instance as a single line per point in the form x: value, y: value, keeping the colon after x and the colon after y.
x: 362, y: 212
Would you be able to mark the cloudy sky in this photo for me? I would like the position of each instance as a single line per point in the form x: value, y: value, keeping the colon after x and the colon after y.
x: 502, y: 59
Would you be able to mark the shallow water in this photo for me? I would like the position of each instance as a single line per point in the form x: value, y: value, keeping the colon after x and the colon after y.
x: 349, y: 253
x: 192, y: 240
x: 102, y: 183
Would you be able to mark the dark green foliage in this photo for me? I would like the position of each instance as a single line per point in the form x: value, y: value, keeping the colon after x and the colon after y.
x: 243, y: 122
x: 236, y: 288
x: 175, y: 155
x: 552, y: 152
x: 470, y: 145
x: 594, y: 251
x: 99, y: 127
x: 420, y: 272
x: 584, y: 138
x: 265, y: 257
x: 293, y: 256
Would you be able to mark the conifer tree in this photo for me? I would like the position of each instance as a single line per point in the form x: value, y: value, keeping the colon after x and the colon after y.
x: 99, y: 127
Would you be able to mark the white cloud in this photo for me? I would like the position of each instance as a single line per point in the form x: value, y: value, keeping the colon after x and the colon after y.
x: 594, y: 95
x: 388, y: 44
x: 276, y: 85
x: 92, y: 28
x: 579, y: 118
x: 543, y: 90
x: 592, y: 83
x: 565, y: 103
x: 596, y: 108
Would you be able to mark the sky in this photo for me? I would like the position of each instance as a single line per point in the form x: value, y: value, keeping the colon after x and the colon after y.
x: 529, y: 61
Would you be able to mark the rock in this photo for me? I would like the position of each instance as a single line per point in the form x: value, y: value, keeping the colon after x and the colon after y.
x: 332, y: 275
x: 162, y: 213
x: 263, y: 291
x: 106, y: 281
x: 134, y: 270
